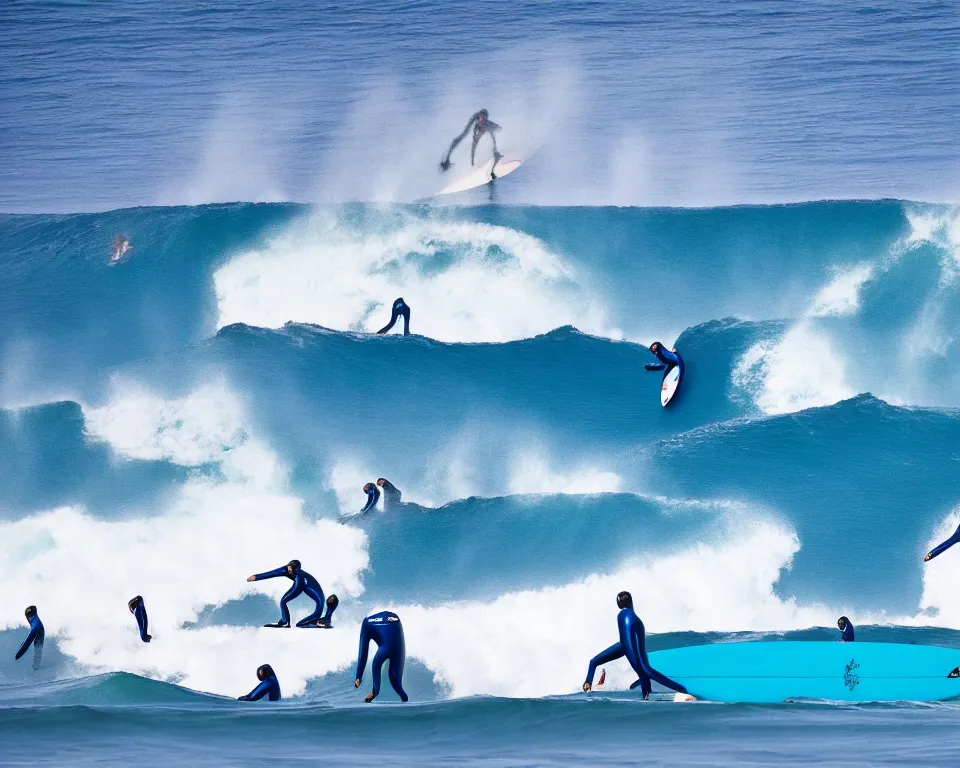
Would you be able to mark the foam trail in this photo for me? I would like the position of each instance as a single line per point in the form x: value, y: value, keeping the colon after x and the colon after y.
x: 463, y: 281
x: 532, y: 473
x: 841, y: 296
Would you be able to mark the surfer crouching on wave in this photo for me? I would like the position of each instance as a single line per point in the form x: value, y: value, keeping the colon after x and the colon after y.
x: 632, y: 644
x: 669, y: 359
x: 303, y: 583
x: 481, y: 123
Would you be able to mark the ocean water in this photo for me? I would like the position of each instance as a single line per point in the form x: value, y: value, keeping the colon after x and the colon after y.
x: 211, y: 405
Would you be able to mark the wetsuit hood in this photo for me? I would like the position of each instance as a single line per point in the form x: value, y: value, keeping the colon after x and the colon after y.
x: 332, y: 602
x: 624, y: 600
x: 842, y: 622
x: 30, y: 612
x: 265, y: 671
x: 295, y: 564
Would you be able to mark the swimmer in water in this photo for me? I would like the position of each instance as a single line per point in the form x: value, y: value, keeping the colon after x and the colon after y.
x: 632, y: 644
x: 385, y: 630
x: 846, y: 628
x: 373, y: 496
x: 303, y: 583
x: 268, y: 686
x: 943, y: 546
x: 139, y: 610
x: 391, y: 495
x: 400, y: 309
x: 481, y: 124
x: 34, y: 638
x: 120, y: 247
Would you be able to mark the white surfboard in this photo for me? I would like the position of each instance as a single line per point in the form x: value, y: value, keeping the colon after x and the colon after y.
x: 483, y: 175
x: 670, y: 384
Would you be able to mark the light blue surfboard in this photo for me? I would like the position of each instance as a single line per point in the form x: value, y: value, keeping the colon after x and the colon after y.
x: 770, y: 672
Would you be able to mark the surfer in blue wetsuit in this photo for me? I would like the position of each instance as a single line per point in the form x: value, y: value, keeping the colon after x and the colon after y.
x: 373, y: 496
x: 632, y: 644
x: 481, y: 124
x: 846, y: 628
x: 943, y: 546
x: 400, y: 309
x: 34, y: 637
x: 268, y: 686
x: 668, y: 360
x: 139, y: 610
x: 386, y: 631
x: 303, y: 583
x: 391, y: 495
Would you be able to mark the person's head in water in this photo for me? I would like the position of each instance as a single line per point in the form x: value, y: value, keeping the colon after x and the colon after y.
x: 842, y: 622
x: 624, y: 600
x: 292, y: 567
x: 132, y: 605
x: 264, y: 671
x: 30, y: 612
x: 368, y: 487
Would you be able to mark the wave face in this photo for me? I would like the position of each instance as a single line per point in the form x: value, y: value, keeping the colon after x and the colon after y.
x: 212, y: 405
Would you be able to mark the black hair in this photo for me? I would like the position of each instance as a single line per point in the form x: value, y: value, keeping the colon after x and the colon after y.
x: 624, y: 600
x: 295, y: 564
x: 264, y: 671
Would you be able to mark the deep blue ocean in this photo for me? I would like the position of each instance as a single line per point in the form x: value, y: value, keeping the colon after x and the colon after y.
x: 768, y: 187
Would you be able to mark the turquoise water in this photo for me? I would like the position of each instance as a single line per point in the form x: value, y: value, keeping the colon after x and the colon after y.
x: 211, y: 405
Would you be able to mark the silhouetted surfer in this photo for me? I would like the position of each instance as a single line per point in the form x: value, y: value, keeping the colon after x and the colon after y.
x: 481, y: 124
x: 268, y: 686
x: 391, y: 495
x: 303, y: 583
x: 386, y: 631
x: 944, y: 546
x: 846, y: 628
x: 632, y: 644
x: 400, y: 309
x: 373, y: 496
x: 35, y: 636
x: 139, y: 610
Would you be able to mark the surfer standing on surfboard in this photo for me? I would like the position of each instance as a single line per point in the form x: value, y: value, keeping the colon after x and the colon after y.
x: 481, y: 123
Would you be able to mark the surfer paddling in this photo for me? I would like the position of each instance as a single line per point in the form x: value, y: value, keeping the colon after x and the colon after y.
x: 481, y: 124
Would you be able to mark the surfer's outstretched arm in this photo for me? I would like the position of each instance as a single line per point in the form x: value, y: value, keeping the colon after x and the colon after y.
x: 373, y: 496
x: 654, y: 366
x: 364, y: 650
x: 943, y: 546
x: 281, y: 571
x: 612, y: 653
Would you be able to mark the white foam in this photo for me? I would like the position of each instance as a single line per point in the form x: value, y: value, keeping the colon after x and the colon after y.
x: 195, y: 551
x: 800, y: 370
x: 537, y: 643
x: 940, y: 578
x: 533, y: 473
x: 463, y: 281
x: 841, y: 296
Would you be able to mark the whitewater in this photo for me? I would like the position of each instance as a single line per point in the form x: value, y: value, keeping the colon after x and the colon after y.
x: 745, y: 182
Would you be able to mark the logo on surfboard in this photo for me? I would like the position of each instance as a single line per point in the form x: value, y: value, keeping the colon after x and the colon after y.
x: 850, y: 677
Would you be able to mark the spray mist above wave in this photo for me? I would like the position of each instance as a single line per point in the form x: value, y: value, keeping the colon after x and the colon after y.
x: 465, y: 281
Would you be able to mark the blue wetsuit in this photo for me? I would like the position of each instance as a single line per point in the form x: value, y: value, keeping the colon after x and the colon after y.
x: 269, y: 688
x: 34, y: 638
x: 944, y: 546
x: 140, y: 613
x: 373, y: 496
x: 399, y: 309
x: 303, y: 583
x: 385, y: 630
x: 847, y: 636
x: 632, y: 644
x: 668, y: 361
